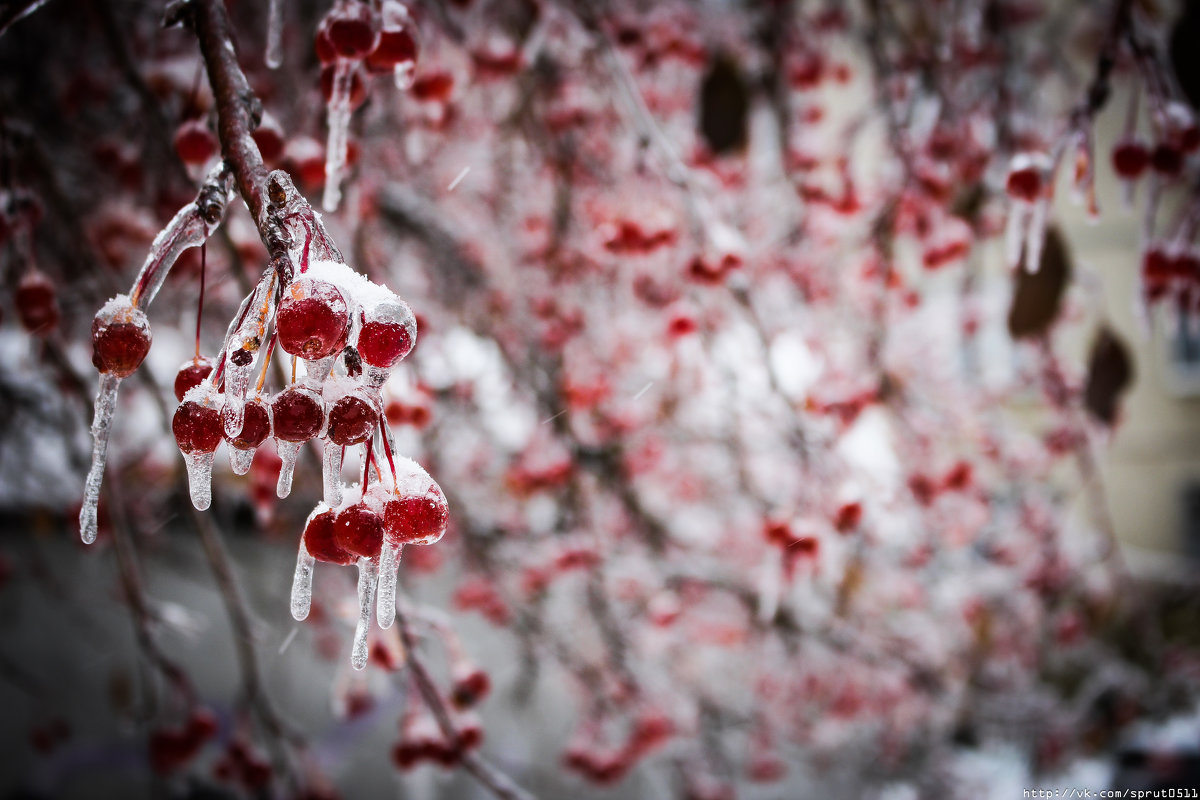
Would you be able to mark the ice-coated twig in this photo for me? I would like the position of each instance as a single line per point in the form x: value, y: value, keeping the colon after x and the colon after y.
x: 190, y: 227
x: 106, y: 403
x: 302, y: 584
x: 242, y: 345
x: 368, y: 578
x: 338, y: 122
x: 274, y: 54
x: 389, y: 563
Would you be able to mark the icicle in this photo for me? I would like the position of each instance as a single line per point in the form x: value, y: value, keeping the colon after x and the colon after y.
x: 316, y: 372
x: 302, y: 584
x: 106, y: 403
x: 389, y: 563
x: 1035, y: 235
x: 199, y: 470
x: 368, y: 578
x: 331, y: 473
x: 338, y: 120
x: 240, y: 460
x: 287, y: 454
x: 275, y: 34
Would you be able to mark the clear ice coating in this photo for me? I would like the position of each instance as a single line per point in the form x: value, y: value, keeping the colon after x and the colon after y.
x: 199, y: 471
x: 331, y: 473
x: 368, y: 578
x: 302, y: 581
x: 338, y: 121
x: 1014, y: 234
x: 389, y: 564
x: 106, y: 402
x: 274, y: 54
x: 241, y: 345
x: 287, y: 454
x: 187, y: 228
x: 240, y: 460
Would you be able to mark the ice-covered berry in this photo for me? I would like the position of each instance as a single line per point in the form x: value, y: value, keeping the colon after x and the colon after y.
x: 120, y: 338
x: 313, y: 321
x: 359, y: 530
x: 297, y: 414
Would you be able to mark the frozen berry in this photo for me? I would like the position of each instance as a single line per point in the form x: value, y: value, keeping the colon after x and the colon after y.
x: 297, y: 414
x: 359, y: 530
x: 396, y: 48
x: 1130, y: 159
x: 352, y: 420
x: 1025, y: 183
x: 197, y: 427
x: 194, y: 142
x: 320, y: 539
x: 352, y: 28
x: 269, y: 138
x: 120, y: 339
x: 191, y: 374
x: 416, y: 519
x: 256, y: 425
x: 313, y: 320
x: 37, y: 303
x: 388, y: 334
x: 1166, y: 160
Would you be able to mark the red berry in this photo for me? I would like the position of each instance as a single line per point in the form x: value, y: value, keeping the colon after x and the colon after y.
x: 1166, y: 160
x: 297, y: 414
x: 191, y: 374
x: 36, y: 302
x: 313, y: 320
x: 269, y: 138
x: 194, y: 142
x: 352, y: 420
x: 396, y: 48
x: 120, y: 339
x: 1130, y: 159
x: 320, y: 539
x: 1025, y: 184
x: 359, y: 530
x: 417, y: 519
x: 202, y: 725
x: 470, y: 686
x: 848, y: 517
x: 436, y: 87
x: 326, y: 53
x: 382, y: 343
x: 256, y: 425
x: 352, y: 28
x: 197, y: 428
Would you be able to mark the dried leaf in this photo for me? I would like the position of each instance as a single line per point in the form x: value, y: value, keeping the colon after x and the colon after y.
x: 724, y: 106
x: 1110, y: 371
x: 1037, y: 296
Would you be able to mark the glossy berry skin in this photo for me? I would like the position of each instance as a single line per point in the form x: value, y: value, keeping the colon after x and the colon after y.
x: 256, y: 426
x: 197, y: 428
x: 297, y: 414
x: 120, y: 342
x: 352, y: 29
x: 1024, y: 184
x: 313, y: 320
x: 396, y: 48
x: 37, y: 303
x: 1130, y: 159
x: 352, y: 420
x: 194, y: 142
x: 359, y: 530
x: 190, y: 375
x: 381, y: 344
x: 416, y: 520
x: 321, y: 542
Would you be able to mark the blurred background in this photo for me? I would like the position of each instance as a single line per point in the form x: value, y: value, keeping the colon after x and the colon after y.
x: 771, y: 474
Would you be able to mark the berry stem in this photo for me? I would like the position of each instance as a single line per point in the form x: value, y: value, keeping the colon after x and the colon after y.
x: 200, y: 302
